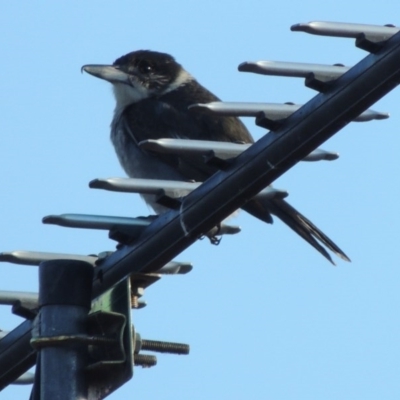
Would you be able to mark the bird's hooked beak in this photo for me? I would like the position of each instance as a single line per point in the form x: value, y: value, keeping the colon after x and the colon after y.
x: 109, y: 73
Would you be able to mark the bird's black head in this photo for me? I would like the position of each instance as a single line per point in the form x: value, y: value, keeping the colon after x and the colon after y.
x: 141, y: 74
x: 154, y: 70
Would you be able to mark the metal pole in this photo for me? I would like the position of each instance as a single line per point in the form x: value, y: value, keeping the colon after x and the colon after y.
x: 64, y: 300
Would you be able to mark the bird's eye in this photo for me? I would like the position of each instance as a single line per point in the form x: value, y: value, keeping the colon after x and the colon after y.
x: 145, y: 67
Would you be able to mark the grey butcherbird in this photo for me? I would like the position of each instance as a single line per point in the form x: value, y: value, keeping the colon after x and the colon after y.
x: 153, y: 94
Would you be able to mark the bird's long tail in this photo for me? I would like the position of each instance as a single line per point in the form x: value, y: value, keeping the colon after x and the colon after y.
x: 296, y: 221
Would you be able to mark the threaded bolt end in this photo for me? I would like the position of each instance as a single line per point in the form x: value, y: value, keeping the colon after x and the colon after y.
x: 144, y: 360
x: 165, y: 347
x: 135, y: 302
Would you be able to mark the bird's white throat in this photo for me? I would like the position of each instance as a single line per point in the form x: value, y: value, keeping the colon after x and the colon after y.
x: 127, y: 94
x: 130, y: 94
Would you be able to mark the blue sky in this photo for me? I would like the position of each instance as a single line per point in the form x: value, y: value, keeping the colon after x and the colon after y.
x: 266, y: 316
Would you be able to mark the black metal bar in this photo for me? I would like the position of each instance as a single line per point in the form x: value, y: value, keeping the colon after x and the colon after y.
x: 16, y: 354
x: 64, y: 301
x: 253, y: 170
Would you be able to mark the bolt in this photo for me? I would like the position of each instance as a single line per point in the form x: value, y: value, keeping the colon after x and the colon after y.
x: 165, y: 347
x: 136, y: 293
x: 144, y: 360
x: 135, y: 302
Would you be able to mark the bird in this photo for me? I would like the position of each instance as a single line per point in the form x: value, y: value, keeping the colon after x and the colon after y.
x: 153, y: 94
